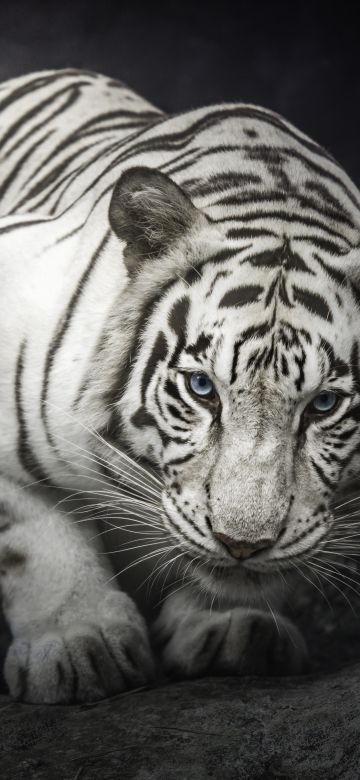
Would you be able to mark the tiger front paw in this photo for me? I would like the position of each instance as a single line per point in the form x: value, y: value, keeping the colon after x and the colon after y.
x: 83, y: 661
x: 237, y: 642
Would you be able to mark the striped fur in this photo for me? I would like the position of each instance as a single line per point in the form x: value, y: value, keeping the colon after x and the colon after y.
x: 236, y: 254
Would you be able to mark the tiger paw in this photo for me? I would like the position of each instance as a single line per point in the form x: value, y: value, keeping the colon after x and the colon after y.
x: 237, y: 642
x: 83, y: 661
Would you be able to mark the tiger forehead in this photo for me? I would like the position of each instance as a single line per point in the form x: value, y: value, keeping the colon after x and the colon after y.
x: 278, y: 275
x: 285, y: 364
x: 278, y: 286
x: 283, y: 356
x: 268, y: 314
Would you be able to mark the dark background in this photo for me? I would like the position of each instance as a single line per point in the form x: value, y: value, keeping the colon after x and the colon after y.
x: 300, y: 59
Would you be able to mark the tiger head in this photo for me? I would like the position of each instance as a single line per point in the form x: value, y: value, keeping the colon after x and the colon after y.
x: 242, y: 383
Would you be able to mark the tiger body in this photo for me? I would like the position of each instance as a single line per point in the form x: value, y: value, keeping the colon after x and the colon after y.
x: 136, y: 250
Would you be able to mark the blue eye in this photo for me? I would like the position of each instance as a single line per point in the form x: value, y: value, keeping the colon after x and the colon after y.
x: 324, y: 402
x: 201, y: 384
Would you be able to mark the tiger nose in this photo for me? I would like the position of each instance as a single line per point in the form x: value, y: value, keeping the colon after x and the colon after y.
x: 242, y: 549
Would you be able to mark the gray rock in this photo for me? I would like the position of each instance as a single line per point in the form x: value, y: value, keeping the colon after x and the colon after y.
x: 211, y: 728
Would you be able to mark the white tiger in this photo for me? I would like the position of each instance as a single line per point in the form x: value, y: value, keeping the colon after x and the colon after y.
x: 183, y: 292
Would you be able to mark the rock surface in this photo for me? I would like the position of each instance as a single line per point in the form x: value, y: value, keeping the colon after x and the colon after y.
x: 211, y: 728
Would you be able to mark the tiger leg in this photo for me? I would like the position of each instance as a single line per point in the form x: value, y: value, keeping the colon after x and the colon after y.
x: 239, y: 641
x: 75, y: 637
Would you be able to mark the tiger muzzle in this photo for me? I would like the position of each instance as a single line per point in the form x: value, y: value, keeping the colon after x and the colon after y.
x: 240, y: 548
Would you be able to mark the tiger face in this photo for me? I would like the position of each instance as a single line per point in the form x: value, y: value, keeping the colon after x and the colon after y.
x: 245, y: 393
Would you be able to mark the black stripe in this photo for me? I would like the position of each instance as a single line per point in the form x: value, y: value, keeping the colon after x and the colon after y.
x: 177, y: 461
x: 178, y: 323
x: 115, y: 391
x: 37, y: 83
x: 355, y: 365
x: 114, y: 659
x: 328, y: 350
x: 197, y: 155
x: 62, y: 329
x: 25, y: 453
x: 257, y: 331
x: 313, y: 302
x: 157, y: 355
x: 284, y: 366
x: 74, y: 136
x: 240, y: 232
x: 113, y: 130
x: 174, y: 412
x: 68, y: 178
x: 322, y: 475
x: 200, y: 346
x: 142, y: 116
x: 346, y: 434
x: 187, y: 519
x: 216, y: 662
x: 72, y: 98
x: 70, y: 234
x: 323, y: 243
x: 221, y: 181
x: 60, y: 672
x: 285, y: 216
x: 51, y: 178
x: 183, y: 535
x: 36, y: 109
x: 171, y: 389
x: 75, y: 676
x: 308, y: 531
x: 315, y: 167
x: 272, y: 289
x: 334, y: 273
x: 281, y: 258
x: 20, y: 225
x: 237, y: 346
x: 241, y: 296
x: 273, y: 196
x: 237, y: 199
x: 218, y: 275
x: 11, y: 178
x: 23, y: 676
x: 144, y: 419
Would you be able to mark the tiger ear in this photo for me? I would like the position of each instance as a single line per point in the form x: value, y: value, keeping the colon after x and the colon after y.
x: 150, y: 212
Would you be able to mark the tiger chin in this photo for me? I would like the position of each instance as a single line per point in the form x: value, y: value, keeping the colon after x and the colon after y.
x: 180, y: 358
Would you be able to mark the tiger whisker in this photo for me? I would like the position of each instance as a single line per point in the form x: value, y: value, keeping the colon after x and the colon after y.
x: 184, y: 585
x: 148, y: 578
x: 150, y: 529
x: 331, y: 579
x: 128, y: 507
x: 159, y: 568
x: 313, y: 584
x: 334, y: 567
x: 350, y: 501
x: 129, y: 546
x: 79, y: 495
x: 97, y: 460
x: 107, y: 444
x: 338, y: 576
x: 317, y: 575
x: 346, y: 516
x: 138, y: 561
x: 141, y: 536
